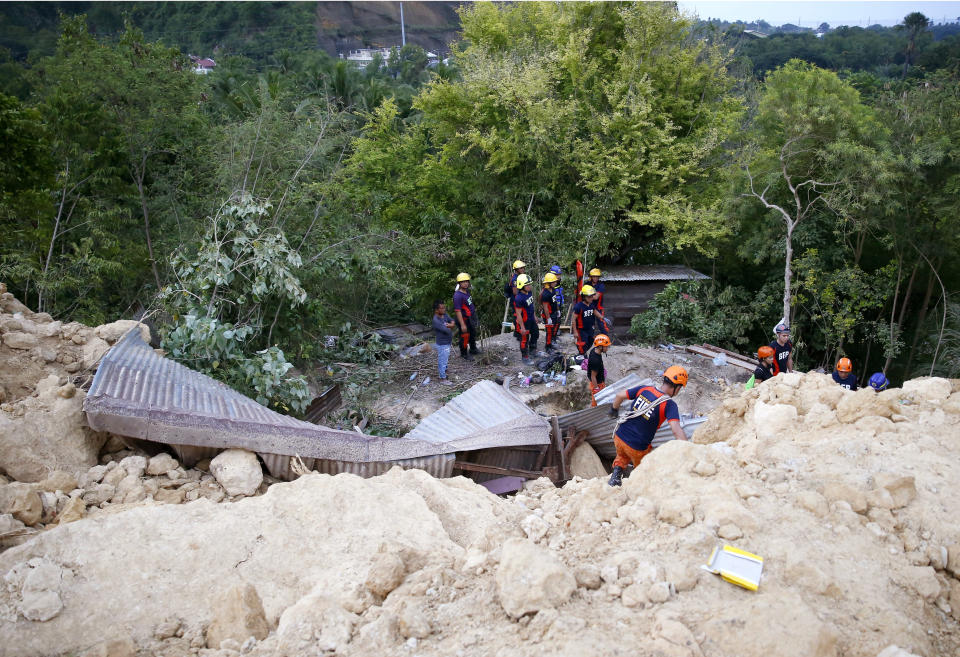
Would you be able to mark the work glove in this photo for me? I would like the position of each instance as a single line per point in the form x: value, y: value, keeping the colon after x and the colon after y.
x: 614, y: 412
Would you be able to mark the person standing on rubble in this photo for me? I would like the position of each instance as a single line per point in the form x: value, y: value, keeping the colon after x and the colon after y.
x: 526, y: 319
x: 650, y: 407
x: 466, y: 314
x: 584, y: 312
x: 596, y: 372
x: 843, y: 374
x: 443, y: 329
x: 783, y: 348
x: 764, y: 370
x: 549, y: 309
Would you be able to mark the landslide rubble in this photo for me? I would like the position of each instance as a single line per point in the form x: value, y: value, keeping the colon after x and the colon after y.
x: 849, y: 497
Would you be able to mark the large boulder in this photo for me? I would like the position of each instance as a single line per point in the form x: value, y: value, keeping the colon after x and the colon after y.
x: 238, y: 471
x: 531, y: 578
x: 46, y: 433
x: 115, y: 330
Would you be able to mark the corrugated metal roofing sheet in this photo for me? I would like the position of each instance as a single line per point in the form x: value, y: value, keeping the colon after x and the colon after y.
x: 599, y: 425
x: 486, y: 415
x: 652, y: 273
x: 140, y: 394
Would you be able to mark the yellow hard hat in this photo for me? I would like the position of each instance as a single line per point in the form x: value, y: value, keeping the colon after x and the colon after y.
x: 596, y: 272
x: 517, y: 264
x: 588, y: 290
x: 522, y: 281
x: 463, y: 276
x: 550, y: 277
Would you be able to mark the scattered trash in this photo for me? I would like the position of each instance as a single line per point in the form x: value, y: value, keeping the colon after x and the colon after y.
x: 413, y: 376
x: 736, y: 566
x: 330, y: 341
x: 425, y: 381
x: 720, y: 359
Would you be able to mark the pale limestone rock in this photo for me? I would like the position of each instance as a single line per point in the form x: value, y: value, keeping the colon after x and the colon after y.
x: 895, y: 651
x: 880, y: 498
x: 9, y: 524
x: 587, y: 576
x: 729, y: 532
x: 923, y: 580
x: 22, y: 502
x: 122, y: 647
x: 836, y: 490
x: 237, y: 614
x: 93, y: 350
x: 531, y: 578
x: 115, y: 330
x: 40, y: 606
x: 59, y: 480
x: 167, y: 629
x: 704, y: 468
x: 386, y: 573
x: 162, y: 463
x: 72, y: 511
x: 50, y: 435
x: 170, y: 495
x: 534, y: 527
x: 316, y: 625
x: 659, y: 592
x: 903, y: 490
x: 930, y: 389
x: 676, y: 511
x: 642, y: 512
x: 99, y: 494
x: 238, y: 471
x: 585, y: 463
x: 413, y: 621
x: 20, y: 340
x: 634, y: 595
x: 772, y: 419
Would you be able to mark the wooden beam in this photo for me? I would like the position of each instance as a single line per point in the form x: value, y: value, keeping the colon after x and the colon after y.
x: 493, y: 469
x: 700, y: 351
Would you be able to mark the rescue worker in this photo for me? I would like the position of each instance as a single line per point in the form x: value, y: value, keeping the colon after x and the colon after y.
x: 879, y: 382
x: 510, y: 288
x: 595, y: 370
x: 650, y: 407
x: 558, y: 288
x: 843, y: 374
x: 466, y: 315
x: 583, y: 319
x: 783, y: 361
x: 549, y: 309
x: 765, y: 369
x: 598, y: 285
x: 526, y: 318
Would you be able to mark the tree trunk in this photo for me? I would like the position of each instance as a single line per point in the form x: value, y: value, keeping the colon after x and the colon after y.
x: 903, y: 310
x: 920, y: 319
x: 146, y: 226
x: 787, y: 274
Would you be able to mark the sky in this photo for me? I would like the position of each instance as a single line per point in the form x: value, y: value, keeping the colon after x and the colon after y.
x: 811, y: 14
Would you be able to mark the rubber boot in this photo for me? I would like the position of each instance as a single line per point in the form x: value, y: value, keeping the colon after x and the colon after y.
x: 627, y: 471
x: 616, y: 478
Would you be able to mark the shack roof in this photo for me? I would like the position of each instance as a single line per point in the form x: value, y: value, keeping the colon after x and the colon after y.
x: 652, y: 273
x: 138, y: 393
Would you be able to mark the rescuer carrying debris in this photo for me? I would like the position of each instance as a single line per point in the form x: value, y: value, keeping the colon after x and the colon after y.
x: 843, y: 374
x: 584, y: 319
x: 649, y: 408
x: 783, y: 362
x: 466, y: 314
x: 526, y: 319
x: 595, y: 370
x: 550, y: 309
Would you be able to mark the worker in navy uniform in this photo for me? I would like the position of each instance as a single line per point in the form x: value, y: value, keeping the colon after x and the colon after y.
x: 558, y: 287
x: 783, y: 361
x: 510, y: 288
x: 549, y: 309
x: 879, y: 382
x: 466, y: 315
x: 843, y: 374
x: 764, y: 371
x: 525, y: 318
x: 598, y: 285
x: 584, y: 312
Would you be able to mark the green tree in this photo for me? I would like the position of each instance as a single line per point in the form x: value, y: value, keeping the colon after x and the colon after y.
x: 813, y: 149
x: 914, y: 23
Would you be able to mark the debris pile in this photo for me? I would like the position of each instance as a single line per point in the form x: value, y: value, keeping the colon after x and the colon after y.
x: 848, y: 497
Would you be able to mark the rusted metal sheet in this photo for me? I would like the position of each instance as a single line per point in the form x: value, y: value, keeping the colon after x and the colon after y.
x: 652, y: 273
x: 140, y: 394
x: 439, y: 466
x: 484, y: 416
x: 326, y: 402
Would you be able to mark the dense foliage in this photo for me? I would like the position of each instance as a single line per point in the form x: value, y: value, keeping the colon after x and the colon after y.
x: 259, y: 209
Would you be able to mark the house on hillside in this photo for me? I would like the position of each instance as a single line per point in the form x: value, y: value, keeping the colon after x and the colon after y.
x: 630, y: 289
x: 202, y: 65
x: 364, y: 56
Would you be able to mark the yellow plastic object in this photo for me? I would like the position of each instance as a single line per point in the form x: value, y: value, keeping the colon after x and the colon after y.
x: 736, y: 566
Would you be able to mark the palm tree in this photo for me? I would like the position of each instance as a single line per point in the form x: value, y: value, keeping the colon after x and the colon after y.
x: 914, y: 23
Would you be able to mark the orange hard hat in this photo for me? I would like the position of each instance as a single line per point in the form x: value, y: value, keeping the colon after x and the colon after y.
x: 765, y: 352
x: 676, y: 374
x: 844, y: 365
x: 601, y: 341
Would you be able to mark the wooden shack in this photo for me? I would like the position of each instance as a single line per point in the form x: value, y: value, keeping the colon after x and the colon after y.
x: 630, y: 289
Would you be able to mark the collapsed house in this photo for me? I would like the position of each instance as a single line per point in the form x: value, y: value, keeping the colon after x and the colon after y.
x: 485, y: 433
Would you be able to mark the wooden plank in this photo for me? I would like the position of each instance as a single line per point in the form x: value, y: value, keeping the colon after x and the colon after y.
x: 700, y: 351
x: 493, y: 469
x: 733, y: 354
x: 558, y: 443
